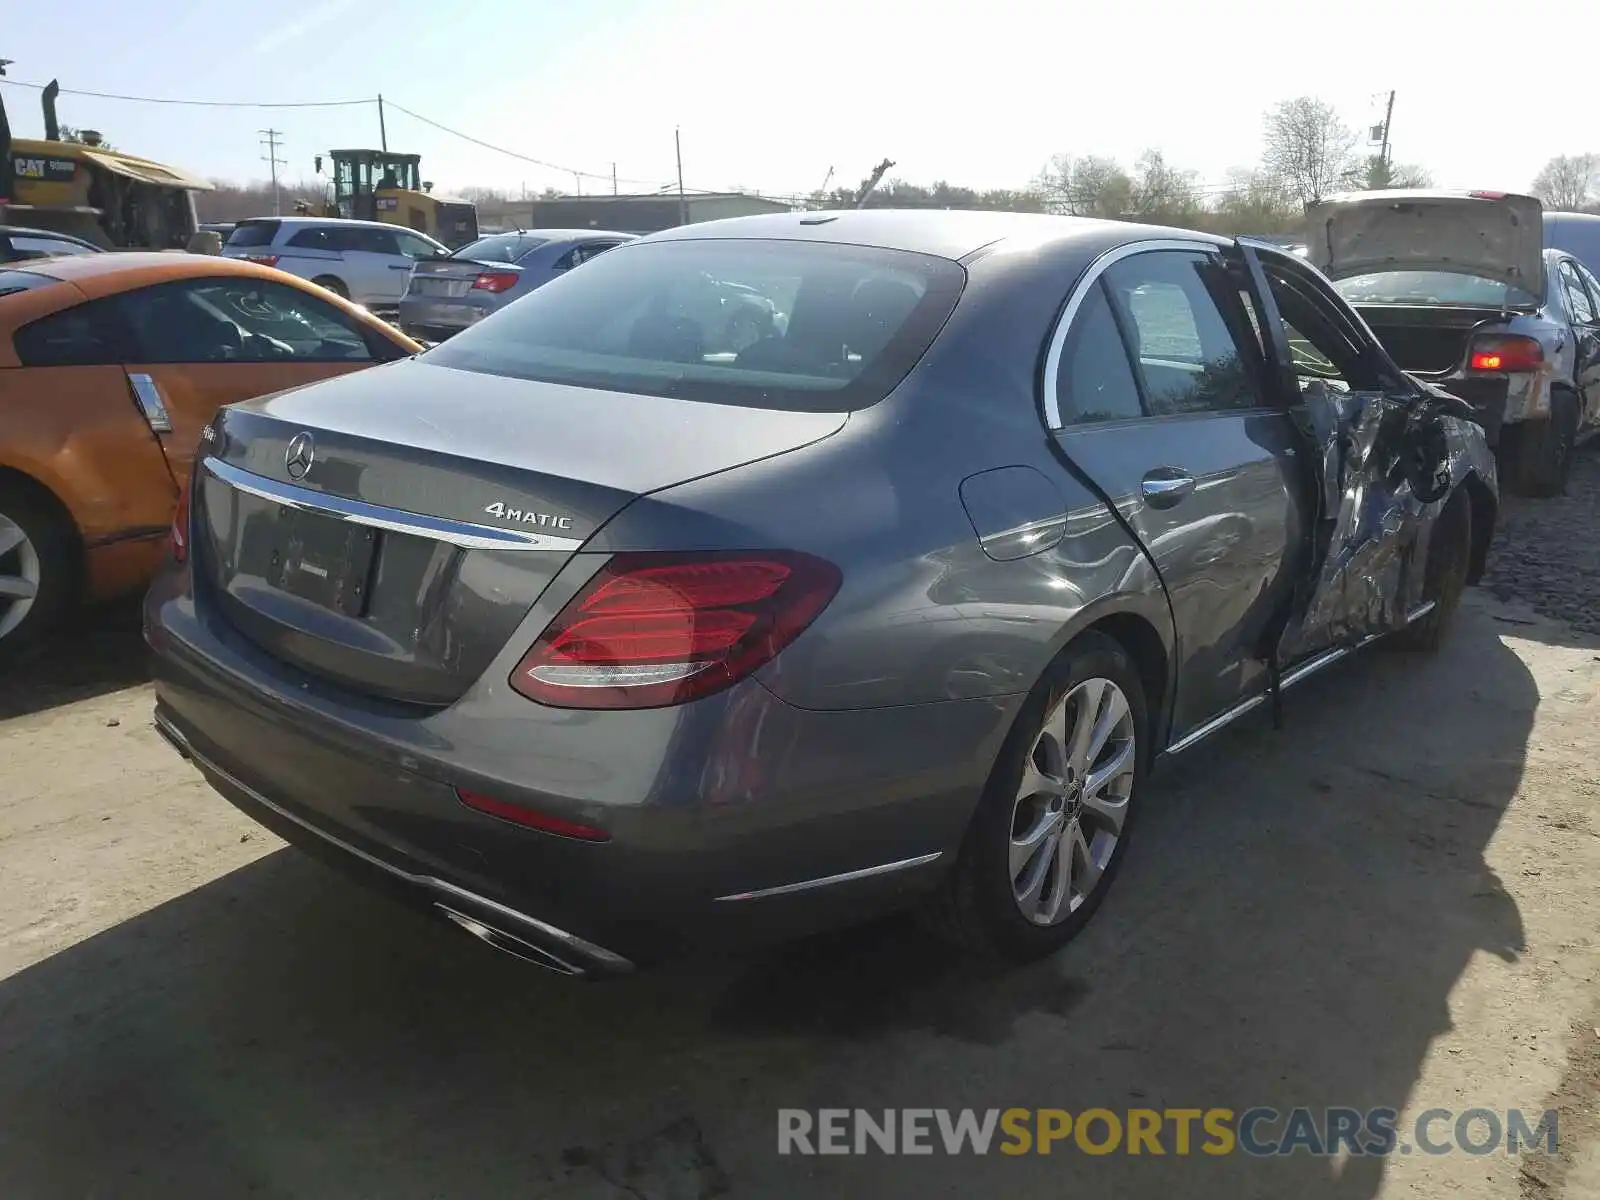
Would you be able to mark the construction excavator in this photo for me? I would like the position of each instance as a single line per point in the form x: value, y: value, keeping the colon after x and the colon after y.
x: 113, y: 199
x: 376, y: 185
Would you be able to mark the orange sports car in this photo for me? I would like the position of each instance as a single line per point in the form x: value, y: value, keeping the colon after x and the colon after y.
x: 111, y: 365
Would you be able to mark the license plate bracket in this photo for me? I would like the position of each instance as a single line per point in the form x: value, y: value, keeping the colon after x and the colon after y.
x: 324, y: 560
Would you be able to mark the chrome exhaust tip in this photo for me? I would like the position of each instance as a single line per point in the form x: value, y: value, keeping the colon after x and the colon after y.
x: 510, y: 943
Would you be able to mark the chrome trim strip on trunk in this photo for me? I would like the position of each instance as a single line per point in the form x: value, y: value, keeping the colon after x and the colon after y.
x: 596, y: 955
x: 465, y: 534
x: 785, y: 889
x: 1310, y: 667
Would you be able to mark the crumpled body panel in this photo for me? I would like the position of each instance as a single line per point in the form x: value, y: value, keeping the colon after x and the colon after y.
x: 1385, y: 468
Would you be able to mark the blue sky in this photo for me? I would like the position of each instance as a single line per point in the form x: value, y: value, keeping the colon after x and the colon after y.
x: 772, y: 96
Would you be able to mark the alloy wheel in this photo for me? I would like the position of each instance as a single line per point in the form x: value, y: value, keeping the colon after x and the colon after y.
x: 1072, y: 802
x: 19, y: 575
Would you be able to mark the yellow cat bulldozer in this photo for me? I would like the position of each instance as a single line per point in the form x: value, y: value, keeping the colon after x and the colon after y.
x: 113, y: 199
x: 375, y: 185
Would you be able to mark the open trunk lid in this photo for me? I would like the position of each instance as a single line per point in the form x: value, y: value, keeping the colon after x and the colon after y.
x: 389, y: 530
x: 1487, y: 235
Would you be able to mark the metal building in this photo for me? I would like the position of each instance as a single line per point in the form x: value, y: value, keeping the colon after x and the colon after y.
x: 644, y: 214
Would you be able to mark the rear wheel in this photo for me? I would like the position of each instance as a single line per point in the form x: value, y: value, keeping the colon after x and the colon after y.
x: 1542, y: 450
x: 334, y: 284
x: 1444, y: 577
x: 1052, y: 826
x: 38, y: 582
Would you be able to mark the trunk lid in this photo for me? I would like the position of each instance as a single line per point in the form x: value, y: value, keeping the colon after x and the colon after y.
x: 1488, y: 235
x: 389, y: 530
x: 452, y: 278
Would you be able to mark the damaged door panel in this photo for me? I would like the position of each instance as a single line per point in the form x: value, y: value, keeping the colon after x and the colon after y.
x: 1386, y: 454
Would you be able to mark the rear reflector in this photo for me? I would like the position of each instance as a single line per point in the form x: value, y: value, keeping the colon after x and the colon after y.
x: 530, y: 818
x: 1505, y: 352
x: 496, y: 281
x: 651, y: 630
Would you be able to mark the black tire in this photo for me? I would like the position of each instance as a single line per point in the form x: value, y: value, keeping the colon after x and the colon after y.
x: 976, y: 907
x: 50, y: 553
x: 1444, y: 578
x: 1541, y: 460
x: 334, y: 284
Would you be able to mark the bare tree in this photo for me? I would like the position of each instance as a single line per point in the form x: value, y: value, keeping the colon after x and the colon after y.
x: 1308, y: 148
x: 1255, y: 202
x: 1086, y: 187
x: 1379, y: 173
x: 1568, y: 181
x: 1163, y: 193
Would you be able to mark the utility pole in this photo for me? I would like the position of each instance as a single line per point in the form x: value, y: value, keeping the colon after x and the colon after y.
x: 683, y: 204
x: 1388, y: 115
x: 270, y: 139
x: 613, y: 179
x: 383, y: 130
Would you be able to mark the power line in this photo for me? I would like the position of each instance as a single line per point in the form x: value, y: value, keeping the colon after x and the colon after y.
x: 39, y: 87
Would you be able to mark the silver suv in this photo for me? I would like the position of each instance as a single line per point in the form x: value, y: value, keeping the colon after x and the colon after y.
x: 368, y: 262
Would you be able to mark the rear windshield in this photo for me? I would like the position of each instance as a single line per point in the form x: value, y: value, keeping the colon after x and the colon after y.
x: 1432, y: 287
x: 500, y: 247
x: 12, y: 281
x: 805, y: 326
x: 253, y: 233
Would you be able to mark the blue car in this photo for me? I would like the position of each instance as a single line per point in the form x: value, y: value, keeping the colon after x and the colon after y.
x: 447, y: 295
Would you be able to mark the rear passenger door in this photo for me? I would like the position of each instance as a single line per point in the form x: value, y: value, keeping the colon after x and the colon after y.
x: 377, y: 267
x: 1583, y: 303
x: 1161, y: 402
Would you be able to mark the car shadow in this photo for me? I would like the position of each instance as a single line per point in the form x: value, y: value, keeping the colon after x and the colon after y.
x: 102, y: 651
x: 1287, y: 931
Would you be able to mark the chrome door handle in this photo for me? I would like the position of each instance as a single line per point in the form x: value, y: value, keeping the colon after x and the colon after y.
x: 147, y: 395
x: 1165, y: 486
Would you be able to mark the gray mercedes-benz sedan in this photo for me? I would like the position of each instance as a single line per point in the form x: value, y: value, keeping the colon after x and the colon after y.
x: 607, y: 642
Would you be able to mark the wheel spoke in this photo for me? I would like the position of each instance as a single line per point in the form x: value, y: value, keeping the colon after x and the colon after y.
x: 1116, y: 708
x: 1038, y: 872
x: 1026, y: 848
x: 1076, y: 846
x: 1118, y: 765
x: 14, y: 587
x: 11, y: 535
x: 1060, y: 883
x: 1090, y: 696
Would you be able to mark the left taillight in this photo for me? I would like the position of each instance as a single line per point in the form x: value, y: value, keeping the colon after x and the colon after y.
x: 651, y: 630
x: 1510, y: 353
x: 495, y: 281
x: 180, y: 524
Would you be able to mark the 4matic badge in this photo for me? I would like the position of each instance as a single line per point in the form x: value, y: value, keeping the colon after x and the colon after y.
x: 527, y: 516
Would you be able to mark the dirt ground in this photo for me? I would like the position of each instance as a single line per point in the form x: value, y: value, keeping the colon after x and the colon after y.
x: 1394, y: 901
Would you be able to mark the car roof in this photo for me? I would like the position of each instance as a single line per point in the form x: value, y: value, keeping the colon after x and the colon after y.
x: 99, y: 274
x: 30, y: 231
x: 301, y: 220
x: 560, y: 235
x: 946, y: 233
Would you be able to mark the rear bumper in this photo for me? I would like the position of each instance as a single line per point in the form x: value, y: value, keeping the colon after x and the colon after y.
x: 734, y: 821
x: 441, y: 318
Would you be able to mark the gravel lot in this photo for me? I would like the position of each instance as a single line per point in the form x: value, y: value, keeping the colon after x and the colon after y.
x: 1391, y: 902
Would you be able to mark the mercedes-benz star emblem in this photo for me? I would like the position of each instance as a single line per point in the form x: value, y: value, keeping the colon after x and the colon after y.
x: 302, y: 452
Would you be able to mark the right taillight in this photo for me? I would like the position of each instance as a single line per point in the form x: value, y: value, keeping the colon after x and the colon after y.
x: 495, y: 281
x: 651, y: 630
x: 180, y: 525
x: 1505, y: 352
x: 266, y: 260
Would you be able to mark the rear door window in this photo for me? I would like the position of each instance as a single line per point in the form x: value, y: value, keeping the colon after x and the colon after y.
x: 808, y: 326
x: 253, y: 233
x: 373, y: 241
x: 1579, y: 303
x: 315, y: 237
x: 1095, y: 381
x: 92, y: 334
x: 1188, y: 332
